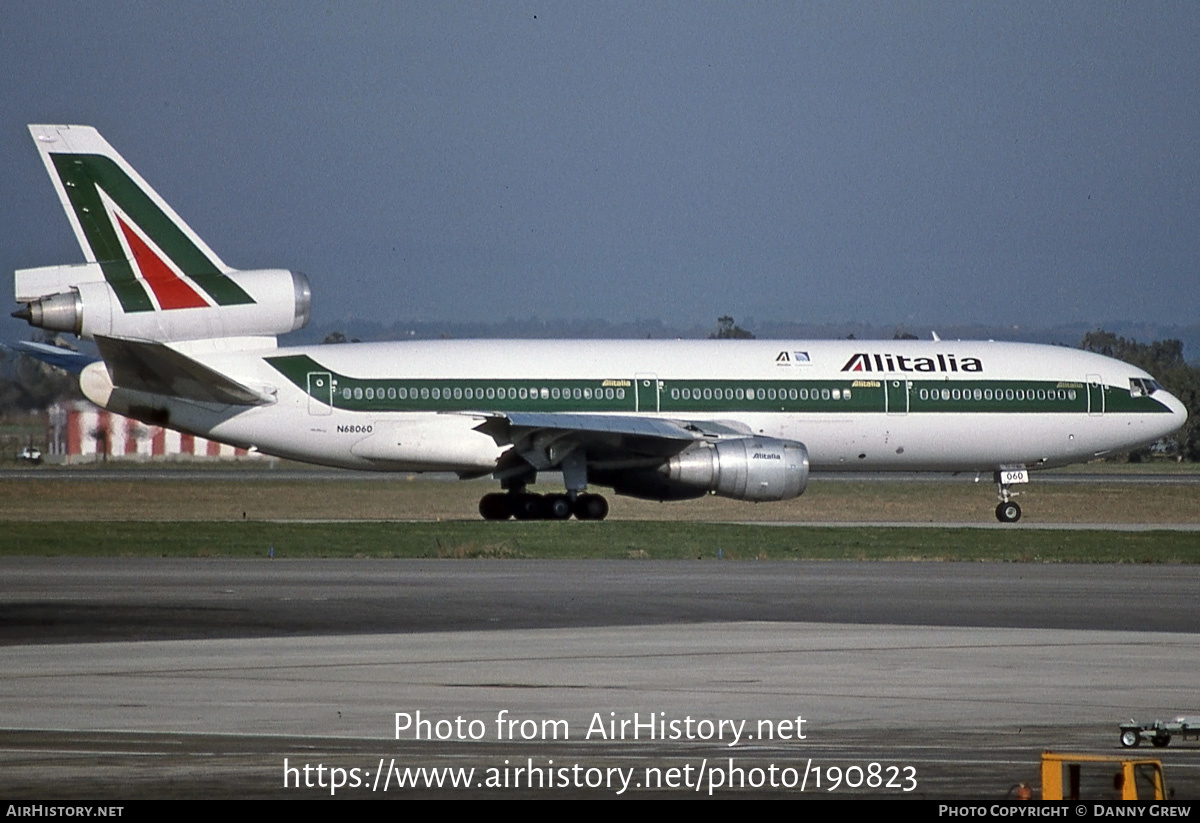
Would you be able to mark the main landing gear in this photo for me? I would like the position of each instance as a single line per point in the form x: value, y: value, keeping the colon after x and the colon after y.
x: 518, y: 503
x: 526, y: 506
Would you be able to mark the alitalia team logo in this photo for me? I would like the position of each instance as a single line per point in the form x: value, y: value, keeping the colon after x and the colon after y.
x: 864, y: 362
x: 151, y: 263
x: 788, y: 357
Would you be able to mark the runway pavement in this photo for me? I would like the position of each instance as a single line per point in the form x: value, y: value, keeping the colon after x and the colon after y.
x: 145, y: 471
x: 150, y: 678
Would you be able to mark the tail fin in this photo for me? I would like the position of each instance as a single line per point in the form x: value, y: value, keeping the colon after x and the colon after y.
x: 148, y: 274
x: 150, y: 257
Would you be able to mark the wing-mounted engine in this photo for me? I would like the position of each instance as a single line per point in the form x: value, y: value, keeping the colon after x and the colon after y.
x: 745, y: 468
x: 79, y: 299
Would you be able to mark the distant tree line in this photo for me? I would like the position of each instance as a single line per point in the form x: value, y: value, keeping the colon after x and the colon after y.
x: 1164, y: 360
x: 729, y: 330
x: 29, y: 385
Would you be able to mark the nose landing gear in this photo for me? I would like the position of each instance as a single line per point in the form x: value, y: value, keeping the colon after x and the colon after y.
x: 1008, y: 511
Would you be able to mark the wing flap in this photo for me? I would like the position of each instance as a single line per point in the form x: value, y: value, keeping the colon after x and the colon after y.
x: 544, y: 441
x: 532, y: 431
x: 597, y: 424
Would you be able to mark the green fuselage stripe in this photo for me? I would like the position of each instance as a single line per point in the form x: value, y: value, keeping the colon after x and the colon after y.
x: 712, y: 397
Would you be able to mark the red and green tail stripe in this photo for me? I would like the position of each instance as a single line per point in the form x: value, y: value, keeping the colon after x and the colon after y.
x: 84, y: 176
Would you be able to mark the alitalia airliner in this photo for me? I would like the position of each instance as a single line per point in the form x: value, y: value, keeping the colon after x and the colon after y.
x: 190, y: 343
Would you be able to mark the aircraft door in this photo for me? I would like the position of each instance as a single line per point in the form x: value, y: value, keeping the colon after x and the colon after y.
x: 895, y: 394
x: 1095, y: 390
x: 645, y: 391
x: 320, y: 393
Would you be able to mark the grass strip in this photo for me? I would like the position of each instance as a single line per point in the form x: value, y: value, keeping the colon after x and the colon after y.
x: 609, y: 540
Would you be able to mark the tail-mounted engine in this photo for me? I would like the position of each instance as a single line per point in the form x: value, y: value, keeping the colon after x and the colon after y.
x: 79, y: 299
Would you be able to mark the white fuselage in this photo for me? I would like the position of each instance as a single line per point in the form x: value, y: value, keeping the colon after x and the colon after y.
x: 856, y: 405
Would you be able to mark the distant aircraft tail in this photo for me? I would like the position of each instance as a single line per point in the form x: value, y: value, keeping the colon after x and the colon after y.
x: 148, y: 275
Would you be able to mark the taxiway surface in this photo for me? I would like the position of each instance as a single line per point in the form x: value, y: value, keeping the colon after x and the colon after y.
x: 128, y: 678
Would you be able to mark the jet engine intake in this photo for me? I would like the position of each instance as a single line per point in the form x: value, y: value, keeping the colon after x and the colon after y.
x: 746, y: 468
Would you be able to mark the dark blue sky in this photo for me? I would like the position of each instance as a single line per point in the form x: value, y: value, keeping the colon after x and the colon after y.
x: 915, y: 163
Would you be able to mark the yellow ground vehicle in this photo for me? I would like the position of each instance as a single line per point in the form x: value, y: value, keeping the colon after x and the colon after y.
x: 1101, y: 777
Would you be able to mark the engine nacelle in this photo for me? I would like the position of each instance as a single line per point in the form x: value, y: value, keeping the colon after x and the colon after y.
x: 266, y: 302
x: 748, y: 468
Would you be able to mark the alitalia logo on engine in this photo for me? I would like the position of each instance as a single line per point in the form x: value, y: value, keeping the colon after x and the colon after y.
x: 865, y: 362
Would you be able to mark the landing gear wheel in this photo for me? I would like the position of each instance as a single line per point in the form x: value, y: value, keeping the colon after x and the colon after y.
x: 1130, y: 739
x: 528, y: 506
x: 1008, y: 512
x: 1161, y: 741
x: 591, y: 507
x: 557, y: 507
x: 494, y: 507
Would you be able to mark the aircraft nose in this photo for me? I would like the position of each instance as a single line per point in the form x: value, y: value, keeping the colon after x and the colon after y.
x: 1179, y: 412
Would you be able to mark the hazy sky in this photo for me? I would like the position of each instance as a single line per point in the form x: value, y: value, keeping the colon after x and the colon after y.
x: 919, y: 163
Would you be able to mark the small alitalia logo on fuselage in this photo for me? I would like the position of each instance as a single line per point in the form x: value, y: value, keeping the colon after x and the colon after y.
x: 903, y: 363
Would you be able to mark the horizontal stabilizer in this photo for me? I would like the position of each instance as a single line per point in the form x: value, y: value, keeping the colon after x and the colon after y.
x: 65, y: 359
x: 158, y: 369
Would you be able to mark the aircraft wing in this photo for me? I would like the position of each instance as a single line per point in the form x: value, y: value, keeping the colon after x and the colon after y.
x: 543, y: 440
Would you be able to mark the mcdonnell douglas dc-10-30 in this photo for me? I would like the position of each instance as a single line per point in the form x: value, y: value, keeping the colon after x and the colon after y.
x: 189, y: 343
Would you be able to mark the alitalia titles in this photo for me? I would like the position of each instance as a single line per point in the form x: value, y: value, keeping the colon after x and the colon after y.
x: 864, y: 362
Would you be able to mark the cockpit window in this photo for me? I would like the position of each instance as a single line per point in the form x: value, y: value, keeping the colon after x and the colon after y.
x: 1140, y: 386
